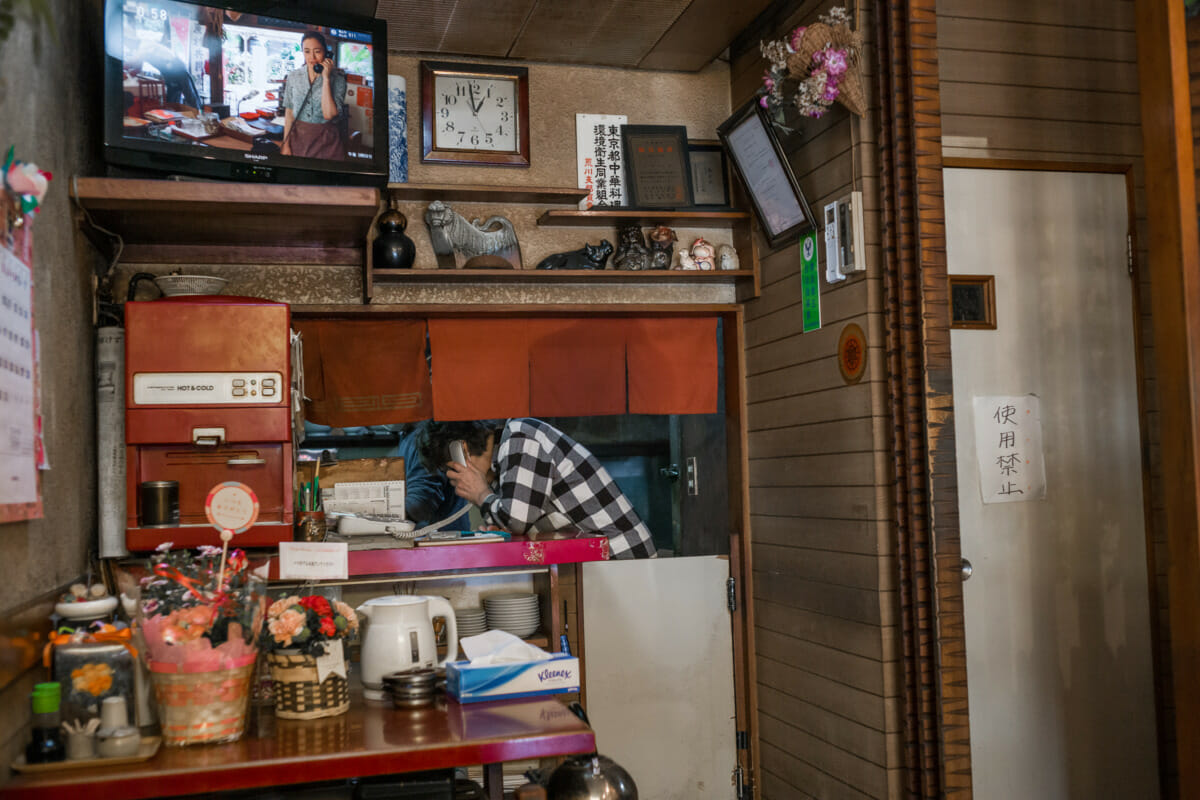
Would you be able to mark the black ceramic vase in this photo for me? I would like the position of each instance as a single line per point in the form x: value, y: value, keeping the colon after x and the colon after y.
x: 392, y: 248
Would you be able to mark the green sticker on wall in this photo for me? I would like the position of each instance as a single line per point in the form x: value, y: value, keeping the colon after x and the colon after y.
x: 810, y: 284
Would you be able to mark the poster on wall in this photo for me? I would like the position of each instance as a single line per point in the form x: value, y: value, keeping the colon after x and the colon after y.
x: 601, y: 163
x: 1008, y: 444
x: 19, y: 452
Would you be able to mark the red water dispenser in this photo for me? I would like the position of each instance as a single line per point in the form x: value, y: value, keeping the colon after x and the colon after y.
x: 207, y: 400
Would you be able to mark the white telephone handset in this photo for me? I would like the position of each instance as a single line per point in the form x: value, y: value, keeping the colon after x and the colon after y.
x: 456, y: 452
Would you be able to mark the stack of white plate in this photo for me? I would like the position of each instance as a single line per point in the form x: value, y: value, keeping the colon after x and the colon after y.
x: 516, y: 613
x: 470, y: 621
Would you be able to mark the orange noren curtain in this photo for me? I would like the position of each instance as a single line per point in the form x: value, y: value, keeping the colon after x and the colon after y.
x: 365, y: 372
x: 480, y: 368
x: 577, y: 367
x: 672, y: 364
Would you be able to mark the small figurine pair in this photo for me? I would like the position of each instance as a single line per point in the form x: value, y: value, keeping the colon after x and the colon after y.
x: 633, y: 254
x: 703, y: 256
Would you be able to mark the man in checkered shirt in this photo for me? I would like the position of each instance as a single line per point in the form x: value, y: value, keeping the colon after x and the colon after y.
x: 528, y: 476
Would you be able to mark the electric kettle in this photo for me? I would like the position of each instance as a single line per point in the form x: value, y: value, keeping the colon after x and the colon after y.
x: 399, y: 636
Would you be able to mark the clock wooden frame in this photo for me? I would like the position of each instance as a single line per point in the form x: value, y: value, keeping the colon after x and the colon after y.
x: 430, y: 70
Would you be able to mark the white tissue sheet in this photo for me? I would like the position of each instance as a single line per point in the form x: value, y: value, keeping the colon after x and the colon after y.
x: 499, y: 647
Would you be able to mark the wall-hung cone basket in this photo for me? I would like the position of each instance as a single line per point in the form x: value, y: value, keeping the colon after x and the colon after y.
x: 298, y: 695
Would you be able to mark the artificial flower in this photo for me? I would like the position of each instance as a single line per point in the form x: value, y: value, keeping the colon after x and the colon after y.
x: 307, y: 623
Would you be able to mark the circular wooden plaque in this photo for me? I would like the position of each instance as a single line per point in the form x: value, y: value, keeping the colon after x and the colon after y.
x: 852, y: 353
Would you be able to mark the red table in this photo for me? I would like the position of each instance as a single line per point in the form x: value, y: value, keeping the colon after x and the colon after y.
x: 370, y: 739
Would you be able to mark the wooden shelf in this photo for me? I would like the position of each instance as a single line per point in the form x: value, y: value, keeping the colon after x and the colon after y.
x: 550, y: 276
x: 178, y: 222
x: 520, y: 552
x: 645, y: 217
x: 485, y: 194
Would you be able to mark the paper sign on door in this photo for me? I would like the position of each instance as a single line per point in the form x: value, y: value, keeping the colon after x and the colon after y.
x: 1008, y: 442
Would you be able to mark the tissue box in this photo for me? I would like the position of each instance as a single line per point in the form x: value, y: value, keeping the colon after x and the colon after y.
x: 469, y: 683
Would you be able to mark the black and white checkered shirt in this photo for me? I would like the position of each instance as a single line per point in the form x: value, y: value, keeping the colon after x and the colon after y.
x: 545, y: 480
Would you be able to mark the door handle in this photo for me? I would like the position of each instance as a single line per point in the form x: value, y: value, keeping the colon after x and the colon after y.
x: 670, y: 472
x: 245, y: 462
x: 967, y: 569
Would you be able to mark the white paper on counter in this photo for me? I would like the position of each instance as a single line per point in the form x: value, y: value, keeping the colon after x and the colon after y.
x: 500, y: 647
x: 313, y: 561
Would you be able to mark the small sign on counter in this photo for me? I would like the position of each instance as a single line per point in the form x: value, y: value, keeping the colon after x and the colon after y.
x: 313, y: 561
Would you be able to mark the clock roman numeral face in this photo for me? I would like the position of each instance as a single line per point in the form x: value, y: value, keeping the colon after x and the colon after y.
x: 475, y: 113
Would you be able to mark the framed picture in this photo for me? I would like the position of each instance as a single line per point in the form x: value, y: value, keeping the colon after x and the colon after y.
x: 656, y: 166
x: 474, y: 114
x: 973, y: 302
x: 710, y: 173
x: 763, y: 167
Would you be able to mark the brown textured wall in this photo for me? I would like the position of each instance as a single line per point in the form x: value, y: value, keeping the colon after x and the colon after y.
x: 1059, y: 82
x: 825, y: 597
x: 46, y: 82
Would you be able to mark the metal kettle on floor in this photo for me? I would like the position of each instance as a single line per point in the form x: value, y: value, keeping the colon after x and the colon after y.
x: 589, y: 777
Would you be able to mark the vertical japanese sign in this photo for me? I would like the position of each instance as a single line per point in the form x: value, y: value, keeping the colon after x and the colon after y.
x: 810, y: 284
x: 18, y: 459
x: 1008, y: 442
x: 601, y: 161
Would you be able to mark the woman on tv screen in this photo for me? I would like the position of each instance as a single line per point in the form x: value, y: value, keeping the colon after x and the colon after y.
x: 314, y: 98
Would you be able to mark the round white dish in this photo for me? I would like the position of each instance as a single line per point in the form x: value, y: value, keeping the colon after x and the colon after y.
x: 87, y: 609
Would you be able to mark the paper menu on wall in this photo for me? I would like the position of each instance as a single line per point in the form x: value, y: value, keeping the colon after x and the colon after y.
x: 600, y: 159
x: 18, y: 472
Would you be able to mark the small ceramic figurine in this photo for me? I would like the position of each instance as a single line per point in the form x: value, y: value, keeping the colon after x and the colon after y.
x: 631, y: 252
x: 662, y: 245
x: 727, y: 257
x: 590, y: 256
x: 684, y: 260
x: 703, y: 254
x: 451, y: 234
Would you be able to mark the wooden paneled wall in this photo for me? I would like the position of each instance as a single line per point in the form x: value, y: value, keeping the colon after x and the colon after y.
x: 825, y: 599
x: 1058, y: 82
x: 1020, y: 81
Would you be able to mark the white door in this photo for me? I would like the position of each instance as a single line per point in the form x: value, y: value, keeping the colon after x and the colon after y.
x: 1057, y: 616
x: 659, y: 674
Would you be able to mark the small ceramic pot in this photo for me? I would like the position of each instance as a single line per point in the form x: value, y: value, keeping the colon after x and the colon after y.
x: 118, y: 743
x: 81, y: 745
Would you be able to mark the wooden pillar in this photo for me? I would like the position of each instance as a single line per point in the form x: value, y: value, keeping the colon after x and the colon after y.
x: 1174, y: 262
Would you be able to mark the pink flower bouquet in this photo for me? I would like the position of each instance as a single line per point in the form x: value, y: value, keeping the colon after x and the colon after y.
x: 192, y: 624
x: 307, y: 623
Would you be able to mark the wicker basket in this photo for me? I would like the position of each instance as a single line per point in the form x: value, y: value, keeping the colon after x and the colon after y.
x: 298, y: 695
x: 202, y: 707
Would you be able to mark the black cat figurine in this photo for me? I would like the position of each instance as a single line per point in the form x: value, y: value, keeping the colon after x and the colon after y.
x: 590, y: 256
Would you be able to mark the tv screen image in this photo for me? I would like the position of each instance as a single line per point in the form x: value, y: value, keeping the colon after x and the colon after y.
x: 218, y: 91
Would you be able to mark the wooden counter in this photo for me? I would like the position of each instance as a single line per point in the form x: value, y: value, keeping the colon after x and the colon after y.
x: 370, y: 739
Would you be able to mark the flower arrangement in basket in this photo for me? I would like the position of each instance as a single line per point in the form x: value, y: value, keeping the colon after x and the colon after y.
x: 816, y: 65
x: 304, y: 637
x: 200, y: 617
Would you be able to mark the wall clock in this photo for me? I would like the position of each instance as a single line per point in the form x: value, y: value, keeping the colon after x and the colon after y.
x: 474, y: 114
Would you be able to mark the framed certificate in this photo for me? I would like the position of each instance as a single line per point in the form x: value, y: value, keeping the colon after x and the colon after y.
x: 656, y: 166
x: 710, y: 174
x: 760, y: 162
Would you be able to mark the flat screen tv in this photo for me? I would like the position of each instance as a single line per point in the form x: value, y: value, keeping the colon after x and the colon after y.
x: 240, y: 90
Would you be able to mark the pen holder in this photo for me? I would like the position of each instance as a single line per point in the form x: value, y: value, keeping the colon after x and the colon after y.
x: 310, y: 526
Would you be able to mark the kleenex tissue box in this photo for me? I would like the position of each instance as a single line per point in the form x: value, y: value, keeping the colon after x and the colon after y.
x: 469, y: 683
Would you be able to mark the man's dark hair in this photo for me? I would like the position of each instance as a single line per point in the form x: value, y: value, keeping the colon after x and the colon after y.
x: 434, y: 438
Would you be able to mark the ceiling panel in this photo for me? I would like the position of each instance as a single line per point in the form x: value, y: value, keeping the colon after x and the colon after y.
x: 608, y: 32
x: 683, y: 35
x: 701, y: 33
x: 462, y: 27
